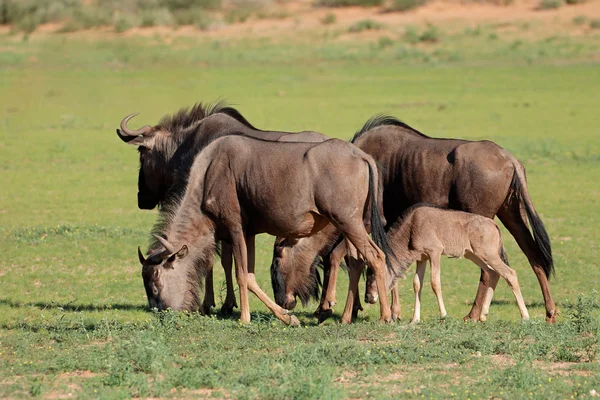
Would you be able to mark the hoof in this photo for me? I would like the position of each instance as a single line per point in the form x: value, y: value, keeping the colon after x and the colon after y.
x: 387, y: 320
x: 205, y: 310
x: 371, y: 299
x: 551, y: 316
x: 467, y: 318
x: 414, y: 322
x: 324, y: 315
x: 294, y: 321
x: 395, y: 317
x: 227, y: 309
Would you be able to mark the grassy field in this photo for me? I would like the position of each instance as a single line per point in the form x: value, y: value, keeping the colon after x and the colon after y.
x: 73, y: 315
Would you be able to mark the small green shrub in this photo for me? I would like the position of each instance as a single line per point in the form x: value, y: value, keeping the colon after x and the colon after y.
x: 580, y: 20
x: 191, y: 4
x: 385, y: 42
x: 595, y: 24
x: 364, y: 25
x: 329, y: 19
x: 157, y: 17
x: 125, y: 22
x: 550, y: 4
x: 430, y: 35
x: 349, y: 3
x: 405, y: 5
x: 571, y: 2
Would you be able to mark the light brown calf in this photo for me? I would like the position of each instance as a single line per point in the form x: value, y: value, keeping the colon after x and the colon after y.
x: 426, y: 233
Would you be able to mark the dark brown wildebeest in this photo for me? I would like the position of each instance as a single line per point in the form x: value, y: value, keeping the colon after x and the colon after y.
x: 478, y: 177
x: 239, y: 187
x: 167, y: 151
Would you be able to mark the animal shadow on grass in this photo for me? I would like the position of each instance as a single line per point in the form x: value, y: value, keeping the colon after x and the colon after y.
x: 533, y: 304
x: 71, y: 306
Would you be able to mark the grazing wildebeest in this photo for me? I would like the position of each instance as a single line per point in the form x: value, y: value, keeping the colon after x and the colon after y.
x: 479, y: 177
x: 239, y: 187
x: 426, y: 233
x: 167, y: 151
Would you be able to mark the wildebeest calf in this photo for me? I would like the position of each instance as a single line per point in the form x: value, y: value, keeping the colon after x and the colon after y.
x: 427, y: 232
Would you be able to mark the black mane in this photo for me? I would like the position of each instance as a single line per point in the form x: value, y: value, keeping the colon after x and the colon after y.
x: 383, y: 120
x: 184, y: 121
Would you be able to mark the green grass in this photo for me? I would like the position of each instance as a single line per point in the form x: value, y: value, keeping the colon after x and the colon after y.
x: 72, y: 304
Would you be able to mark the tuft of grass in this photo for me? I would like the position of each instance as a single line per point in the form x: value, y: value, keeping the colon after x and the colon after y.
x: 329, y: 19
x: 550, y: 4
x: 580, y: 20
x: 348, y: 3
x: 385, y: 42
x: 364, y: 25
x: 405, y: 5
x: 431, y: 34
x: 595, y: 24
x: 572, y: 2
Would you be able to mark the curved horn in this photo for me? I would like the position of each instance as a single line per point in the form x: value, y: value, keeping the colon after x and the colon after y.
x: 127, y: 134
x: 141, y: 256
x: 168, y: 246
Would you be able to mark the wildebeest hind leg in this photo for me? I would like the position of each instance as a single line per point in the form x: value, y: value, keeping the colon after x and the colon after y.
x: 376, y: 259
x: 279, y: 312
x: 329, y: 293
x: 514, y: 220
x: 227, y: 263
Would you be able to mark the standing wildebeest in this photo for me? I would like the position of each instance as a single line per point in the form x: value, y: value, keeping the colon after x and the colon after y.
x: 167, y: 151
x: 239, y: 187
x: 478, y: 177
x: 426, y: 233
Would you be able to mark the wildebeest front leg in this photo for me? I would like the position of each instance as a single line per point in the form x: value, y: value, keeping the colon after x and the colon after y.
x: 396, y: 309
x: 227, y: 263
x: 354, y: 271
x: 436, y: 282
x: 329, y: 295
x: 279, y: 312
x: 240, y: 255
x: 418, y: 287
x: 209, y: 293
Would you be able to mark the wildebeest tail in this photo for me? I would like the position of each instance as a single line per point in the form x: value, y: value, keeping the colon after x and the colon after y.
x: 377, y: 225
x: 540, y: 236
x: 501, y: 250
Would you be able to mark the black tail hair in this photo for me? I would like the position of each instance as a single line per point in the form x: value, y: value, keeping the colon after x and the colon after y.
x: 277, y: 282
x: 377, y: 229
x: 539, y: 230
x: 503, y: 255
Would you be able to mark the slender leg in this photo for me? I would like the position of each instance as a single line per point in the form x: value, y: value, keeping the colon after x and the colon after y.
x: 475, y: 312
x: 209, y: 294
x: 326, y: 309
x: 278, y: 311
x: 360, y: 265
x: 511, y: 278
x: 417, y: 287
x: 436, y: 283
x: 376, y: 258
x: 240, y: 254
x: 354, y: 273
x: 489, y: 295
x: 326, y: 276
x: 395, y: 303
x: 371, y: 295
x: 227, y: 263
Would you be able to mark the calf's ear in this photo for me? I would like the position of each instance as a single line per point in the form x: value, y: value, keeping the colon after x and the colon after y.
x: 182, y: 252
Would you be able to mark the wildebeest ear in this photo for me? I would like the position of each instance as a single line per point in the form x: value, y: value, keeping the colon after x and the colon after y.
x: 141, y: 256
x: 182, y: 252
x: 146, y: 141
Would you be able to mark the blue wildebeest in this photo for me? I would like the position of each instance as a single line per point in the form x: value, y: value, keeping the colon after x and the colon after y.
x: 479, y: 177
x: 167, y: 151
x: 239, y: 187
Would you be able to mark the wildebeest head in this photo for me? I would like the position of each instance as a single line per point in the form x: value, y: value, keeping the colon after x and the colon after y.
x: 151, y: 179
x: 167, y: 284
x: 293, y: 276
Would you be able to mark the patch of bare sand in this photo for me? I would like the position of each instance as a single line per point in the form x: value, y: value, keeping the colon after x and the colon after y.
x: 301, y: 19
